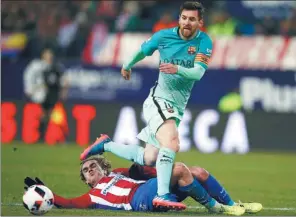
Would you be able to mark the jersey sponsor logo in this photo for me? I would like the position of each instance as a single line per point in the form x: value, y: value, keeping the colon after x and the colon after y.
x: 110, y: 184
x: 202, y: 58
x: 184, y: 63
x: 191, y: 50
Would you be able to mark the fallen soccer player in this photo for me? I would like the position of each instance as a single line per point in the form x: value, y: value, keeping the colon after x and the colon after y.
x: 115, y: 191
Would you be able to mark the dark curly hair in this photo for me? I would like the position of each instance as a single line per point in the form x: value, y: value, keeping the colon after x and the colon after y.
x: 193, y: 5
x: 103, y: 163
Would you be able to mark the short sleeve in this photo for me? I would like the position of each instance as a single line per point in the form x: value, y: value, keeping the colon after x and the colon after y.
x: 151, y: 44
x: 204, y: 53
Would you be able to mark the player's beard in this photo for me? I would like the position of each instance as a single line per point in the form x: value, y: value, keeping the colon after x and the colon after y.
x: 187, y: 32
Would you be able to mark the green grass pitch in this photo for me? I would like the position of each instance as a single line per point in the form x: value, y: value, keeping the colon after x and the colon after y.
x: 268, y: 178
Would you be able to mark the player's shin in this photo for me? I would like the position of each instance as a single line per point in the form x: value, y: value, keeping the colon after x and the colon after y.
x: 164, y: 165
x: 199, y: 194
x: 133, y: 153
x: 214, y: 188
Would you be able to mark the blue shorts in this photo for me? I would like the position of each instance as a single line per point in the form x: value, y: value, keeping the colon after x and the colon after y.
x: 142, y: 199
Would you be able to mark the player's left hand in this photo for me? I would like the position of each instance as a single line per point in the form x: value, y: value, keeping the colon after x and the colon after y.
x: 168, y: 68
x: 29, y: 182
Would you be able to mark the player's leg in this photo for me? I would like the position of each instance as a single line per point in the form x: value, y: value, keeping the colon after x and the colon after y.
x: 217, y: 191
x: 48, y: 105
x: 162, y: 132
x: 144, y: 156
x: 188, y: 184
x: 191, y: 186
x: 47, y: 108
x: 167, y: 136
x: 213, y: 187
x: 133, y: 153
x: 103, y: 144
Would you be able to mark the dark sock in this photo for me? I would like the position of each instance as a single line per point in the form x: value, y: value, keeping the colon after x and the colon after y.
x: 217, y: 191
x: 198, y: 193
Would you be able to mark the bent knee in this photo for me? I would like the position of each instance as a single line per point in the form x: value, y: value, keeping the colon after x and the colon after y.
x: 200, y: 173
x: 175, y: 143
x: 180, y: 169
x: 172, y: 143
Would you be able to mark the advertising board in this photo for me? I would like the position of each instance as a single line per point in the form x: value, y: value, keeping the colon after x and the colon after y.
x: 204, y: 129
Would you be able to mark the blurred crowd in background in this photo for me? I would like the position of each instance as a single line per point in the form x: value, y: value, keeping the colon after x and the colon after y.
x: 65, y: 26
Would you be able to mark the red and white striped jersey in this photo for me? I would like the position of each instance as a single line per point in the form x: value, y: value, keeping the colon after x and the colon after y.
x: 114, y: 191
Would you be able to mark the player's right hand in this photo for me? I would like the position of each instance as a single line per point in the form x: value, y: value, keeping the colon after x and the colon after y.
x: 126, y: 74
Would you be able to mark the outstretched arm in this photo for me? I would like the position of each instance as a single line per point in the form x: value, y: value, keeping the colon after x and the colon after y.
x: 147, y: 49
x: 126, y: 68
x: 81, y: 202
x: 138, y: 56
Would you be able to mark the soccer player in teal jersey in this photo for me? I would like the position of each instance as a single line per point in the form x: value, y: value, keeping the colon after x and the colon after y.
x: 185, y: 52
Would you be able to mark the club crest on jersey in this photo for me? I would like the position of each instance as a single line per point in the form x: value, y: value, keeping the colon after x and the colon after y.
x: 191, y: 50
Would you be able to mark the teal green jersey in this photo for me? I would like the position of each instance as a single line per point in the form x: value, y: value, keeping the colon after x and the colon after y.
x: 186, y: 53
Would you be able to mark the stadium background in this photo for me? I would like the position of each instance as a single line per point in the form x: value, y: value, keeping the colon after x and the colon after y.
x: 241, y: 114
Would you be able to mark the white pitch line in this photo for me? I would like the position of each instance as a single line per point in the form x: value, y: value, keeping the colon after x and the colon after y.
x: 11, y: 204
x: 188, y: 207
x: 264, y: 208
x: 282, y: 209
